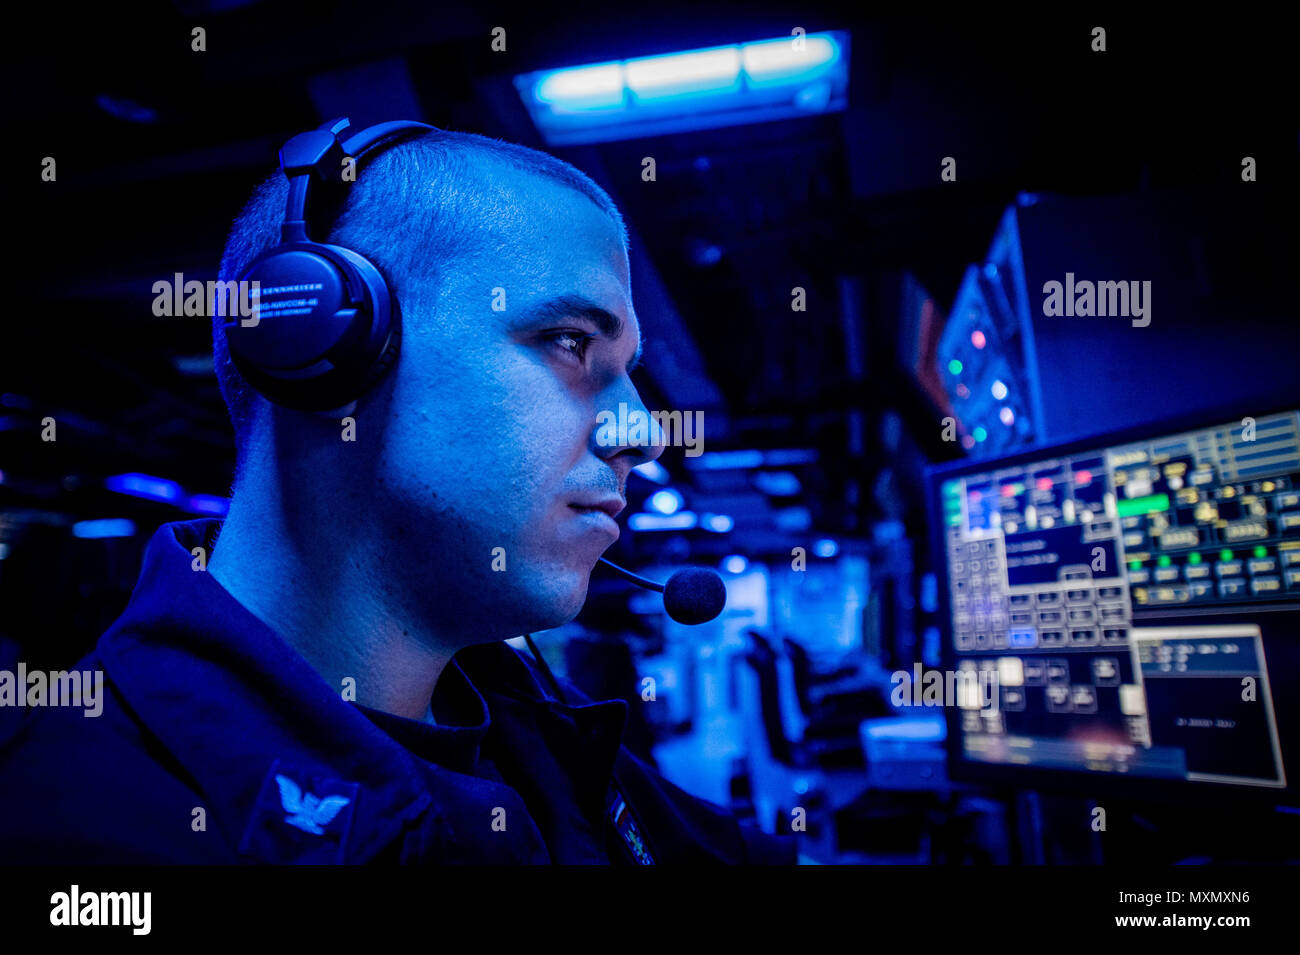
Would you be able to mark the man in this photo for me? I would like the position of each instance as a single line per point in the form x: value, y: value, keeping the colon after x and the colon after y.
x: 323, y: 676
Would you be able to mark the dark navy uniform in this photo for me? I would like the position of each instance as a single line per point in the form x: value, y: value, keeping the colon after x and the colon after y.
x: 218, y: 743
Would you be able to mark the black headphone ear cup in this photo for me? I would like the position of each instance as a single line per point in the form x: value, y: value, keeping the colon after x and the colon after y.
x: 326, y: 329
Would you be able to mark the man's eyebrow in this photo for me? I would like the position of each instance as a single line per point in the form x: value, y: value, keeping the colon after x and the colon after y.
x: 579, y: 306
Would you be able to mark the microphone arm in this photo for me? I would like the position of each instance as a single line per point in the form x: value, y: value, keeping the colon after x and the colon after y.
x: 628, y: 575
x: 691, y: 596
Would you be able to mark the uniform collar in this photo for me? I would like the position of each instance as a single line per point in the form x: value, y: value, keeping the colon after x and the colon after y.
x: 463, y: 722
x: 237, y: 707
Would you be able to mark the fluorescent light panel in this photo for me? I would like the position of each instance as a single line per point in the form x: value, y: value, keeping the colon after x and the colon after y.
x: 694, y: 89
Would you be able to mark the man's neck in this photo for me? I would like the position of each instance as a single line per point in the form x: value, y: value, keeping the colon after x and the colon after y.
x: 334, y: 605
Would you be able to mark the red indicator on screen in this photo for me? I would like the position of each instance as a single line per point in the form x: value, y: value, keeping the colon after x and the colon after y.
x: 1044, y: 484
x: 1082, y: 478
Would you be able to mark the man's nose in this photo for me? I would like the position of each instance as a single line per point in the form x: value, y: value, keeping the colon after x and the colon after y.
x: 625, y: 430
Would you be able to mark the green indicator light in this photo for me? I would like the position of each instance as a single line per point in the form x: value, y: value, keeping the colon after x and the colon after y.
x: 955, y: 366
x: 1194, y: 558
x: 980, y: 434
x: 1165, y: 560
x: 1225, y: 554
x: 1261, y: 551
x: 1135, y: 565
x: 1143, y: 505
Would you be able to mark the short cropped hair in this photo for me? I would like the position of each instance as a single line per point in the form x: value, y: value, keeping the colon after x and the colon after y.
x: 411, y: 212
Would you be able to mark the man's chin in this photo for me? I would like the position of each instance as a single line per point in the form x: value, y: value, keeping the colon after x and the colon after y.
x: 558, y: 599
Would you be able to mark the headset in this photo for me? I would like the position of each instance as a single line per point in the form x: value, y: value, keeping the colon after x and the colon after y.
x: 325, y: 326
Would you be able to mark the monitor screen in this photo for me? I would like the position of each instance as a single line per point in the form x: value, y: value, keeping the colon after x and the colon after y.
x: 1113, y: 603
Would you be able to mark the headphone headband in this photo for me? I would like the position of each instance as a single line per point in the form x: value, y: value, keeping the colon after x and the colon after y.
x: 313, y: 162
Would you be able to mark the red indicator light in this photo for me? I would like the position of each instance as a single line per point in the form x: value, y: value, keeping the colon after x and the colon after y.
x: 1082, y: 478
x: 1008, y: 490
x: 977, y: 339
x: 1043, y: 484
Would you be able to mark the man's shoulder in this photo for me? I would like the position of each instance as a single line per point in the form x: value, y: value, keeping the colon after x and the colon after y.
x: 80, y: 786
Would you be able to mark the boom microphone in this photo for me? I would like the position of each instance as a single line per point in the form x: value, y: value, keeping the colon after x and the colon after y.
x: 691, y: 596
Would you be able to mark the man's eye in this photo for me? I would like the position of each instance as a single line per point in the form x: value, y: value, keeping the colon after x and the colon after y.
x: 571, y: 343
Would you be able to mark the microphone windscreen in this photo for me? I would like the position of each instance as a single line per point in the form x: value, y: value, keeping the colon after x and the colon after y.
x: 694, y: 595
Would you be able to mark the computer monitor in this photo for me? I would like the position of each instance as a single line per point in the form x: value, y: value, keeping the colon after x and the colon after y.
x: 1126, y: 611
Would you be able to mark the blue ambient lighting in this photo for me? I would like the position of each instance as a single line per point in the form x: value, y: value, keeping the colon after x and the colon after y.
x: 652, y: 471
x: 144, y: 485
x: 681, y: 521
x: 693, y: 89
x: 744, y: 460
x: 680, y: 75
x: 735, y: 564
x: 718, y: 523
x: 775, y: 62
x: 826, y: 548
x: 106, y: 527
x: 777, y: 483
x: 600, y: 86
x: 667, y: 501
x: 208, y: 504
x: 928, y: 728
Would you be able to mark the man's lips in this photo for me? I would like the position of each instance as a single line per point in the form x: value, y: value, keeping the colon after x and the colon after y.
x: 599, y: 515
x: 612, y: 506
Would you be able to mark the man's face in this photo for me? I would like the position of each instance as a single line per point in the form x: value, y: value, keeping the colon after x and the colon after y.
x: 490, y: 478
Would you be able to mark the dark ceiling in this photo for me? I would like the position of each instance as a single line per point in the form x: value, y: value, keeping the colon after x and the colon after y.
x: 839, y: 204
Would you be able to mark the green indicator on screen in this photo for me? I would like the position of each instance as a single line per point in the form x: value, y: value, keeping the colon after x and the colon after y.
x: 1225, y: 554
x: 1143, y: 505
x: 1135, y: 565
x: 1261, y: 550
x: 955, y: 366
x: 1193, y: 558
x: 1165, y: 560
